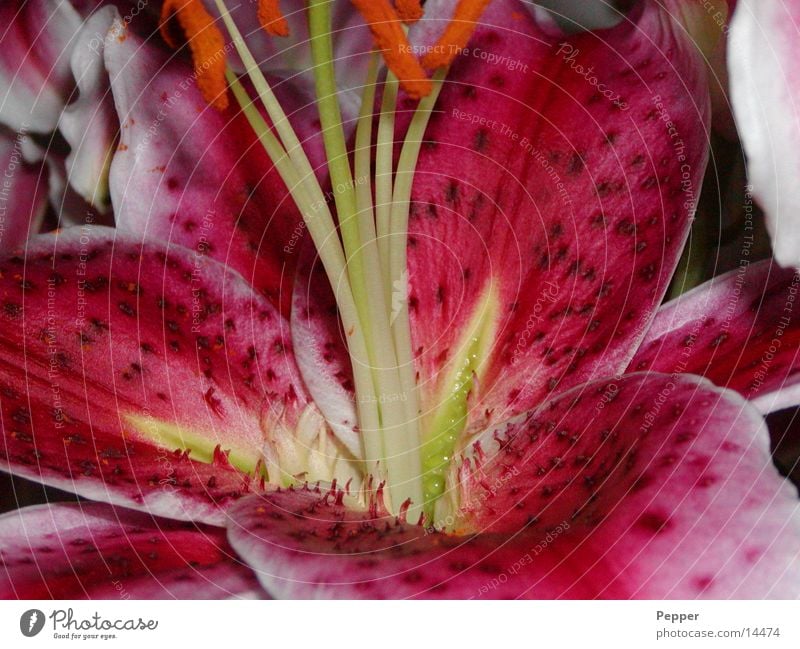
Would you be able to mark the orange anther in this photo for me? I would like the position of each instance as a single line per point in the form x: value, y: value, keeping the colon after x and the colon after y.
x: 206, y: 44
x: 457, y: 33
x: 410, y: 11
x: 271, y: 18
x: 387, y: 30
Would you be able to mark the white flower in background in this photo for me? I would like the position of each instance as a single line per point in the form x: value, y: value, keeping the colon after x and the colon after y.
x: 765, y: 82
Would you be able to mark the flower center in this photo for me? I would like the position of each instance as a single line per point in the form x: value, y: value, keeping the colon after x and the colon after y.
x: 363, y: 251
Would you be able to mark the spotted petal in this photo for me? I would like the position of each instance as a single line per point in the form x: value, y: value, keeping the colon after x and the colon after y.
x: 641, y: 487
x: 189, y: 174
x: 739, y: 329
x: 563, y: 202
x: 93, y: 551
x: 138, y: 374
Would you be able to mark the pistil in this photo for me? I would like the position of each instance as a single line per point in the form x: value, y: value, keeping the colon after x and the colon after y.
x: 400, y: 443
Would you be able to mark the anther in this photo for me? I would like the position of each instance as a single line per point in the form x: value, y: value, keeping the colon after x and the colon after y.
x: 409, y: 11
x: 206, y: 44
x: 387, y: 30
x: 272, y: 20
x: 456, y: 35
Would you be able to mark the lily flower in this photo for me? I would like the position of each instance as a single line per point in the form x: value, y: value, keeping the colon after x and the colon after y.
x: 406, y: 363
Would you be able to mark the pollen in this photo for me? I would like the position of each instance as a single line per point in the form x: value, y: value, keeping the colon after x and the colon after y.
x: 456, y: 35
x: 409, y: 11
x: 391, y: 40
x: 272, y: 20
x: 206, y: 43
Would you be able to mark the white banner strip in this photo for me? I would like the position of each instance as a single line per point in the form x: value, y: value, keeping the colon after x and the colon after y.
x: 494, y: 625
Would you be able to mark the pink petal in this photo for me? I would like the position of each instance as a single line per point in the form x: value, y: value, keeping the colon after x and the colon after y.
x: 645, y: 486
x: 93, y: 551
x: 739, y: 330
x: 762, y: 55
x: 305, y: 544
x: 23, y: 192
x: 89, y: 124
x: 188, y: 174
x: 36, y: 38
x: 570, y: 206
x: 105, y: 340
x: 666, y: 482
